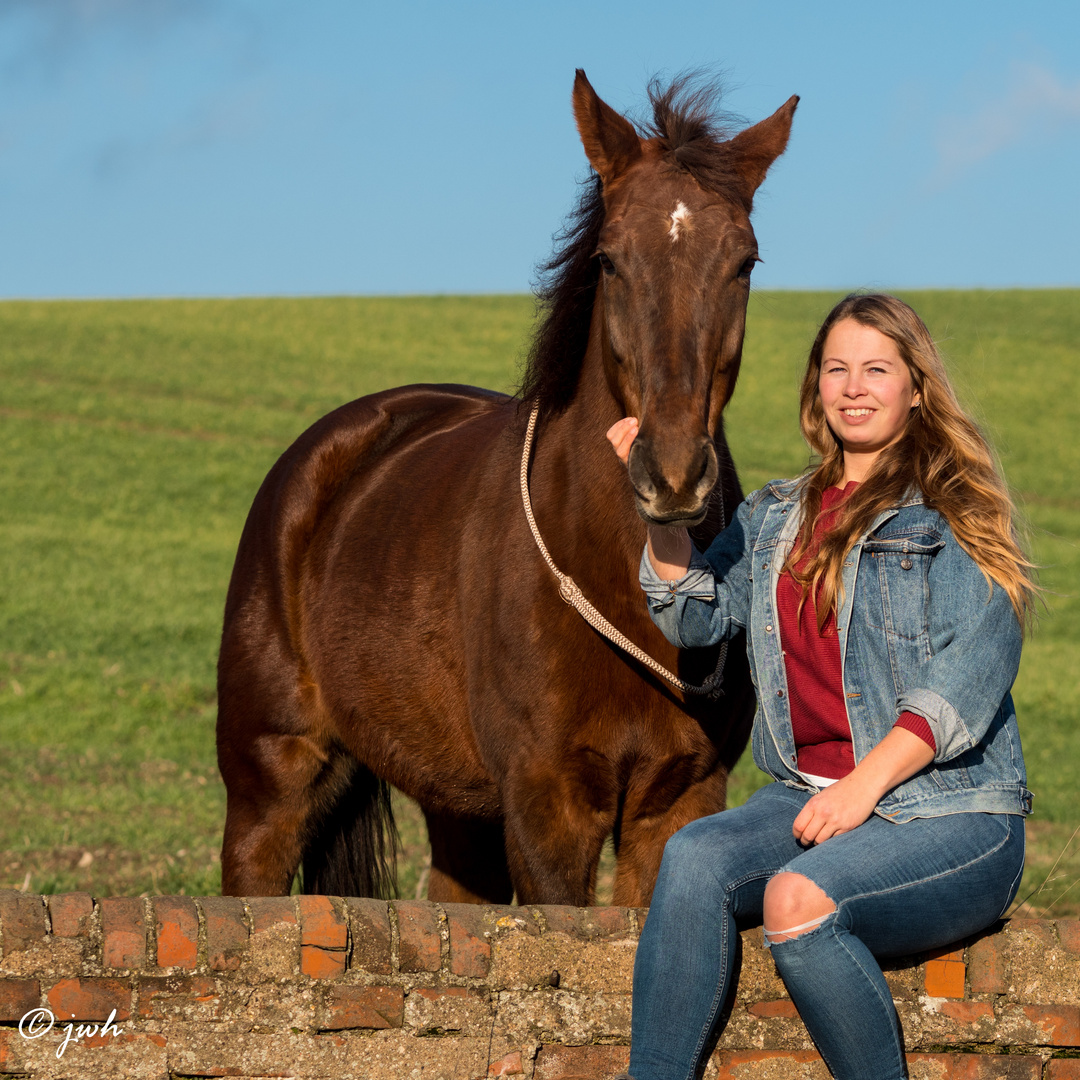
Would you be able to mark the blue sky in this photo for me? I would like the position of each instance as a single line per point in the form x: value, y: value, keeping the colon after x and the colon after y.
x: 258, y: 147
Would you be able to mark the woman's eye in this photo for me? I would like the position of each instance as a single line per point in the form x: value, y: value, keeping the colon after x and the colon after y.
x: 607, y: 265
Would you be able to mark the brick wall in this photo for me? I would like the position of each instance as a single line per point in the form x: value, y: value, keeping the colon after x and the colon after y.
x: 323, y: 987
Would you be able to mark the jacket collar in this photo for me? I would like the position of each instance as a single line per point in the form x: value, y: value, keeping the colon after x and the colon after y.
x: 791, y: 490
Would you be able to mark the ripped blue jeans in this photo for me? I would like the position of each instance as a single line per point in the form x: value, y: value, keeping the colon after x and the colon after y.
x: 898, y: 890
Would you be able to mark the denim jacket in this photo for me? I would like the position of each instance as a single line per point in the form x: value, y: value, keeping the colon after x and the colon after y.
x: 920, y: 629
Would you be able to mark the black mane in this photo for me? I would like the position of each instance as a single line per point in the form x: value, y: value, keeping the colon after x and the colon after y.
x: 691, y: 131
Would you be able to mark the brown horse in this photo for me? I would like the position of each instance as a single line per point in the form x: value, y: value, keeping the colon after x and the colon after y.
x: 390, y: 620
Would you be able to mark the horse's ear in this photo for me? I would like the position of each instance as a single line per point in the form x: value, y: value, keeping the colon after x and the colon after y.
x: 611, y: 143
x: 756, y: 148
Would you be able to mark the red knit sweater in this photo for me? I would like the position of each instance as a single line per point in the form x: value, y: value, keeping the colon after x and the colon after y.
x: 819, y: 717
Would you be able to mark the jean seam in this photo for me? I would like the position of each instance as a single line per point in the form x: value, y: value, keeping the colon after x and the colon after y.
x: 1014, y: 888
x: 718, y: 998
x: 713, y: 1010
x: 888, y: 1003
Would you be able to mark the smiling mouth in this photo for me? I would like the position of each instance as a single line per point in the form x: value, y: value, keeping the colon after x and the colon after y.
x: 857, y: 412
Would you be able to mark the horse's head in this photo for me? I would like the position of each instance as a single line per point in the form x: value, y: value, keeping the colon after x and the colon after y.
x: 676, y: 250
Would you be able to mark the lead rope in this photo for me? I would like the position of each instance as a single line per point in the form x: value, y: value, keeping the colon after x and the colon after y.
x: 572, y: 595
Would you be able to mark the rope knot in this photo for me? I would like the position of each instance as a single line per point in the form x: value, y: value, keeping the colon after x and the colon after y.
x: 568, y: 590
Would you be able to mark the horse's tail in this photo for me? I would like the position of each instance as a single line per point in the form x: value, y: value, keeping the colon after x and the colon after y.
x: 353, y: 850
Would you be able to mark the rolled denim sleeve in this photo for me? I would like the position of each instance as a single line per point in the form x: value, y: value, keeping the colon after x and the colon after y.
x: 975, y: 640
x: 711, y: 601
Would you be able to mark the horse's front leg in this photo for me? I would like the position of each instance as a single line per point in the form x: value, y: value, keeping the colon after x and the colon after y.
x: 557, y: 819
x: 643, y: 832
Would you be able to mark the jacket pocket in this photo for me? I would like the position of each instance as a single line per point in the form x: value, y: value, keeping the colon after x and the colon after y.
x: 900, y: 568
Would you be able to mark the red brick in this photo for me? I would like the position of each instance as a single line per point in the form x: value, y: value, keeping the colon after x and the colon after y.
x: 419, y: 942
x: 1061, y: 1024
x: 587, y: 924
x: 226, y: 931
x: 177, y: 925
x: 17, y: 998
x: 1063, y: 1068
x: 561, y: 919
x: 510, y: 1065
x: 976, y: 1066
x: 966, y: 1012
x: 470, y: 951
x: 745, y: 1064
x: 1069, y: 932
x: 948, y: 952
x: 71, y: 914
x: 365, y: 1007
x: 269, y: 911
x: 555, y: 1060
x: 89, y: 999
x: 986, y: 965
x: 607, y: 923
x: 321, y: 923
x: 180, y: 997
x: 319, y: 963
x: 7, y: 1058
x: 22, y: 918
x: 769, y: 1009
x: 124, y: 927
x: 945, y: 978
x: 369, y: 921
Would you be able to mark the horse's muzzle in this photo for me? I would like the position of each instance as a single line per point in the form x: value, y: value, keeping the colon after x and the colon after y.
x: 673, y: 487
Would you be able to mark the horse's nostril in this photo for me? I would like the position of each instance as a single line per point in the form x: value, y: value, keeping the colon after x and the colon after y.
x: 640, y: 473
x: 707, y: 460
x: 710, y: 469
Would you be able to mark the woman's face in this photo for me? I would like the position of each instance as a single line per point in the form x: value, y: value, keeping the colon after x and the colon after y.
x: 866, y: 391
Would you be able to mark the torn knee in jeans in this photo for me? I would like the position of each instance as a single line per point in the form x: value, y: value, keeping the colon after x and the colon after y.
x: 794, y: 905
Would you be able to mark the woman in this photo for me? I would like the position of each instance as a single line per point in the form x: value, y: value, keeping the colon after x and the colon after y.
x: 884, y: 596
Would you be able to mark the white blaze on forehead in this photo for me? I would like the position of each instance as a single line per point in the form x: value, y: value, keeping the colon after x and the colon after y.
x: 680, y: 221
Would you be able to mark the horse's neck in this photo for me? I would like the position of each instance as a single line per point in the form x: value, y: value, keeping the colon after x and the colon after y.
x: 581, y: 476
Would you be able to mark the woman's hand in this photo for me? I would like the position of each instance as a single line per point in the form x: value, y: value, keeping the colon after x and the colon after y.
x: 837, y: 809
x: 622, y: 434
x: 845, y: 805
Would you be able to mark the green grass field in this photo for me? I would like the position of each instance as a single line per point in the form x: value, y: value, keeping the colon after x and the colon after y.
x: 134, y: 435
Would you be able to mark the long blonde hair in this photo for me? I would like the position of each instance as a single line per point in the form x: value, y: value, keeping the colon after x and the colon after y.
x: 941, y: 453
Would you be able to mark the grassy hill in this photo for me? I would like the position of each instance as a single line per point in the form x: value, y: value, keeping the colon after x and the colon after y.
x: 134, y: 435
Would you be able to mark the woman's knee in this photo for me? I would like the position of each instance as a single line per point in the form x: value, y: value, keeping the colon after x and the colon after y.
x: 794, y: 905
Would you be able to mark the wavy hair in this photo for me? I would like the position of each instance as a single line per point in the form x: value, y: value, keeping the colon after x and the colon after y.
x: 941, y: 453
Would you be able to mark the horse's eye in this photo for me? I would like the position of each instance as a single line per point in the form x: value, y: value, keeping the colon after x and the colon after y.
x: 605, y: 262
x: 747, y: 267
